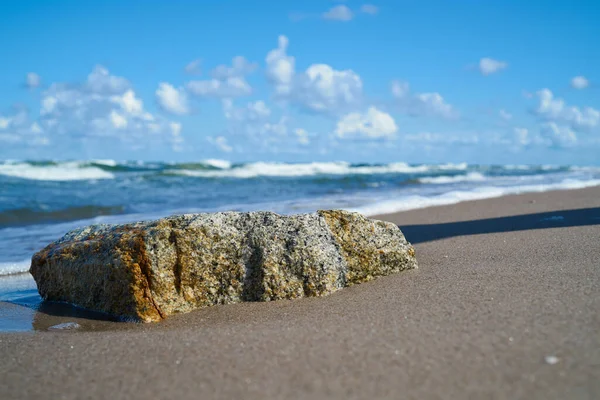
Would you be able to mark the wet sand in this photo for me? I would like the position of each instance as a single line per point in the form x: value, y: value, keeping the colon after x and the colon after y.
x: 505, y: 305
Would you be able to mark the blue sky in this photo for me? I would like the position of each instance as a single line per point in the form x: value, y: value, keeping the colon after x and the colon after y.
x: 417, y: 81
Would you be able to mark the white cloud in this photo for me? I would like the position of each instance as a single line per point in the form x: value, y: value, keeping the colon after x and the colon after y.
x: 302, y: 136
x: 176, y: 139
x: 320, y: 88
x: 221, y: 143
x: 278, y: 128
x: 421, y: 104
x: 579, y: 82
x: 324, y: 89
x: 254, y: 111
x: 280, y: 67
x: 429, y: 138
x: 505, y: 115
x: 100, y: 81
x: 18, y: 129
x: 102, y: 106
x: 227, y: 82
x: 171, y: 99
x: 339, y: 13
x: 118, y: 120
x: 555, y: 110
x: 435, y: 104
x: 240, y: 67
x: 32, y: 80
x: 230, y: 87
x: 36, y: 128
x: 369, y: 9
x: 193, y: 67
x: 175, y: 128
x: 4, y: 122
x: 559, y: 136
x: 129, y: 102
x: 488, y: 66
x: 400, y: 89
x: 373, y: 124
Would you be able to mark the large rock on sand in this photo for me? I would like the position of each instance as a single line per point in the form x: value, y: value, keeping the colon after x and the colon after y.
x: 149, y: 270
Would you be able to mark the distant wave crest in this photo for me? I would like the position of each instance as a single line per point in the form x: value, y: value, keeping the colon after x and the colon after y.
x: 71, y: 171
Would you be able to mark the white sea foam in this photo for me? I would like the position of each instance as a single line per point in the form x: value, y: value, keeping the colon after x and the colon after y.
x: 108, y: 163
x: 486, y: 192
x: 70, y: 171
x: 256, y: 169
x: 215, y: 162
x: 14, y: 267
x: 470, y: 177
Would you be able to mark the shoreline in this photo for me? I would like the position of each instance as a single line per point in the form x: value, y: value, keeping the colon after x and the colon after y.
x: 503, y: 305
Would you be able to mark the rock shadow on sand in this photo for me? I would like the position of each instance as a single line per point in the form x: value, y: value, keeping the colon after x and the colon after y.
x: 555, y: 219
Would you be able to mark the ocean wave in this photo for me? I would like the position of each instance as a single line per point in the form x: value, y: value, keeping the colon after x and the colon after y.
x: 14, y: 267
x: 457, y: 196
x: 217, y: 163
x: 470, y: 177
x: 71, y: 171
x: 257, y: 169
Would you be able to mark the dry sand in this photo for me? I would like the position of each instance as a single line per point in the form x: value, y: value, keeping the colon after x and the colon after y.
x: 505, y: 305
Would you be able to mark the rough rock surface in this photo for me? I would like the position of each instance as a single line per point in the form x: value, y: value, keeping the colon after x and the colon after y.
x: 149, y: 270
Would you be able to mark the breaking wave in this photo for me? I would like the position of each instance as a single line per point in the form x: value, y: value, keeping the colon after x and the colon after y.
x: 406, y: 203
x: 72, y: 171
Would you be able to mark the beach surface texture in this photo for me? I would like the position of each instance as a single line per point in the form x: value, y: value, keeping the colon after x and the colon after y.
x: 505, y: 305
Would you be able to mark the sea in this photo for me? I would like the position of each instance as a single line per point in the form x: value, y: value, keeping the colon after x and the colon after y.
x: 40, y: 201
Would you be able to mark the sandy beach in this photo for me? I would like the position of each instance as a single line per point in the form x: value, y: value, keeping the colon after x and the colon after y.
x: 505, y: 305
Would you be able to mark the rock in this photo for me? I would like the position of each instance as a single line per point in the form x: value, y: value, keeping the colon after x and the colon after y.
x: 148, y: 270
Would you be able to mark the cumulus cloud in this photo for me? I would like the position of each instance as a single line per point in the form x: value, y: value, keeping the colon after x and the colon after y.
x: 171, y: 99
x: 579, y: 82
x: 339, y: 13
x: 32, y: 80
x: 324, y: 89
x: 227, y: 82
x: 320, y: 89
x: 372, y: 124
x: 17, y: 128
x: 100, y: 82
x: 193, y: 67
x: 221, y: 143
x: 557, y: 135
x: 254, y: 121
x: 488, y: 66
x: 129, y: 102
x: 429, y: 138
x: 104, y: 105
x: 118, y: 120
x: 369, y: 9
x: 253, y: 111
x: 280, y: 67
x: 239, y: 67
x: 421, y: 104
x: 4, y: 122
x: 302, y: 136
x: 555, y: 110
x: 230, y: 87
